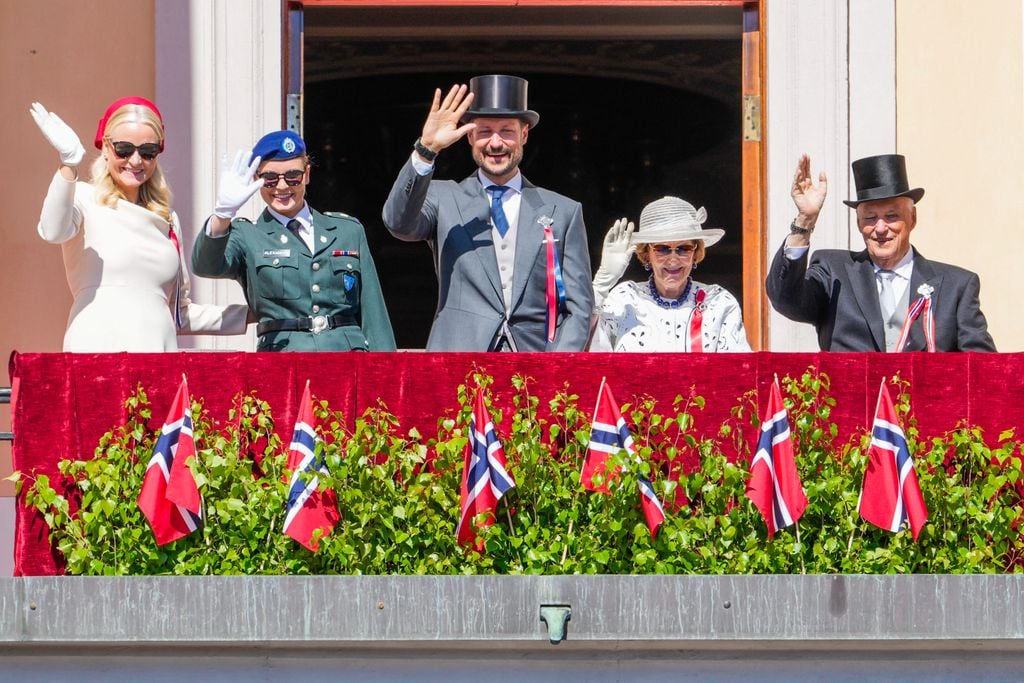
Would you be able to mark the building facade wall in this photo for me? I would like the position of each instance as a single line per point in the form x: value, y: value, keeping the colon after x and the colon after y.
x: 75, y: 58
x: 960, y: 103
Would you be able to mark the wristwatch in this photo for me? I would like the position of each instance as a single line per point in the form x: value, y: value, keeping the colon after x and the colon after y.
x: 424, y: 151
x: 796, y: 230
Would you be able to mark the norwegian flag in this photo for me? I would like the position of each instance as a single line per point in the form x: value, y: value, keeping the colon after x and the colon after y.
x: 609, y: 435
x: 774, y: 486
x: 891, y: 494
x: 484, y: 477
x: 169, y: 497
x: 308, y: 509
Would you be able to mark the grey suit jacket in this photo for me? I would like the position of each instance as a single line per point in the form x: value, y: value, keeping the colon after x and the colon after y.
x: 454, y: 218
x: 837, y: 294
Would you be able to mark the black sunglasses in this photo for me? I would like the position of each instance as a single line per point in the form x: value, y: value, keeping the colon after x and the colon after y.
x: 125, y: 150
x: 292, y: 177
x: 665, y: 250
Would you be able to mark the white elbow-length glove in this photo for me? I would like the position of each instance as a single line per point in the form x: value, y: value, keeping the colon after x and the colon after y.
x: 236, y: 183
x: 615, y: 255
x: 58, y: 134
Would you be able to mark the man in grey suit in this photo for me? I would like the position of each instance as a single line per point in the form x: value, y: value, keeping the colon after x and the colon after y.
x: 511, y: 258
x: 876, y: 299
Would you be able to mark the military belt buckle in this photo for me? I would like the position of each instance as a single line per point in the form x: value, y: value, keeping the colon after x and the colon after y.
x: 318, y: 323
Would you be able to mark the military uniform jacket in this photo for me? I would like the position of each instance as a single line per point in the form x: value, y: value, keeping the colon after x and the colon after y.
x: 454, y: 218
x: 282, y: 280
x: 837, y: 293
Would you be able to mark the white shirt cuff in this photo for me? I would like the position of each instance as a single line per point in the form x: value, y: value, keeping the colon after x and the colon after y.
x: 795, y: 253
x: 206, y: 229
x: 421, y: 167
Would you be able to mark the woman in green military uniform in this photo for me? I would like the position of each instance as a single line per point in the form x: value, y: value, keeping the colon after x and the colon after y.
x: 308, y: 276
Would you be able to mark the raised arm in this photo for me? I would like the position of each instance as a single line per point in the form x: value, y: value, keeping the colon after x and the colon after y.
x: 441, y: 129
x: 58, y: 221
x: 236, y: 185
x: 808, y: 198
x: 615, y: 255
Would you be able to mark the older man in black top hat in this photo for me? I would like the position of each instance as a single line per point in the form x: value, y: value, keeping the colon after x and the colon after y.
x: 512, y: 263
x: 886, y: 298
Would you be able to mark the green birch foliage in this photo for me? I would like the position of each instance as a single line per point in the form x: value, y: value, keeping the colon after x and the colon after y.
x: 398, y: 494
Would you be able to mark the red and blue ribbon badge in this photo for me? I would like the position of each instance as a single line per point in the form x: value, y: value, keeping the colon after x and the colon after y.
x: 173, y: 236
x: 922, y: 305
x: 555, y: 283
x: 697, y: 323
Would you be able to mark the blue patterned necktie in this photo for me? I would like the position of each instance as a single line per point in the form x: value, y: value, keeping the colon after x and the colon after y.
x: 498, y: 218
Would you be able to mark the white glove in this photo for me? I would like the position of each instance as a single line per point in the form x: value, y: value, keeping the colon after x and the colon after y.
x: 615, y: 256
x: 58, y: 134
x: 236, y: 183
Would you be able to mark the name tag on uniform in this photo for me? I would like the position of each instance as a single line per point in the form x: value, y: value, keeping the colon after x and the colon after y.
x: 280, y: 253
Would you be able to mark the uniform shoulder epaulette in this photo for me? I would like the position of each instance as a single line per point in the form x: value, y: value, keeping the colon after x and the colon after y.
x: 241, y: 219
x: 339, y: 214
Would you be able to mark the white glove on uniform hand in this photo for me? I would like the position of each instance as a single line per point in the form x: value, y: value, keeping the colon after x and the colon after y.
x: 236, y: 184
x: 615, y: 255
x: 58, y: 134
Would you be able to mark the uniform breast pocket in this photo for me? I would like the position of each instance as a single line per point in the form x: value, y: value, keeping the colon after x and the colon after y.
x: 278, y: 278
x: 348, y: 278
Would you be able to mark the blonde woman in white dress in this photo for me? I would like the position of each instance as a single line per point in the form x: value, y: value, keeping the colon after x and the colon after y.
x: 120, y: 238
x: 670, y: 312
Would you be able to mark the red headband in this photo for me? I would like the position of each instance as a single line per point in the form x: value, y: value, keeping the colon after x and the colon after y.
x: 142, y: 101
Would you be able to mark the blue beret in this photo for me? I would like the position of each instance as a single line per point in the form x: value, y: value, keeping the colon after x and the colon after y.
x: 281, y: 144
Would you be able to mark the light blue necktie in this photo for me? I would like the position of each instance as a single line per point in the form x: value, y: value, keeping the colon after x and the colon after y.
x: 886, y: 294
x: 887, y: 303
x: 498, y: 218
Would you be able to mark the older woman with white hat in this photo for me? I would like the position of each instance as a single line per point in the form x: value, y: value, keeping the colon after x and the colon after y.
x: 671, y: 311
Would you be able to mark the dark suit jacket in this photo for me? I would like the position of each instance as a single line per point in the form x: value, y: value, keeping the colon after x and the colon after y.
x: 837, y: 294
x: 454, y: 219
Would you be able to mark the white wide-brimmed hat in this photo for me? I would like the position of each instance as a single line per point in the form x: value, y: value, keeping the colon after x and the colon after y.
x: 670, y: 219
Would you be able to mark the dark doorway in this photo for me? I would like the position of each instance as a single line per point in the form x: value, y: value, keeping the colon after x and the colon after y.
x: 665, y: 121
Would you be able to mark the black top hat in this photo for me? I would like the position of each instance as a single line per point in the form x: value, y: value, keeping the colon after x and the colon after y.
x: 499, y: 96
x: 882, y: 177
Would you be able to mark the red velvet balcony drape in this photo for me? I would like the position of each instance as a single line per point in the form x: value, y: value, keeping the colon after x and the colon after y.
x: 64, y: 402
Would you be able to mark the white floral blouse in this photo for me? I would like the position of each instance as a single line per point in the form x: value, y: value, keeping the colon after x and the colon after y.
x: 632, y: 320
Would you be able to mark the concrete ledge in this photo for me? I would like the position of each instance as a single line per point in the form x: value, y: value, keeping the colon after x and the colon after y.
x: 645, y: 612
x: 406, y: 629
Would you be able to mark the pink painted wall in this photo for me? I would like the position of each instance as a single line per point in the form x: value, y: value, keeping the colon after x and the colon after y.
x: 75, y: 58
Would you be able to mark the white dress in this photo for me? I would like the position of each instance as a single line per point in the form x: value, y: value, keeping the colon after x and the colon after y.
x: 125, y: 275
x: 631, y: 320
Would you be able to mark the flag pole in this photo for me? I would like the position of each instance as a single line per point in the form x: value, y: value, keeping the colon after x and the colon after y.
x: 565, y: 548
x: 803, y: 570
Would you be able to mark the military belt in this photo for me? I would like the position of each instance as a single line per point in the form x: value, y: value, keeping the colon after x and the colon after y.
x: 314, y: 323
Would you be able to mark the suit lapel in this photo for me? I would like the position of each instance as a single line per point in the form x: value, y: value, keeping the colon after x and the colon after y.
x: 529, y: 236
x: 275, y: 232
x: 323, y: 228
x: 861, y: 276
x: 475, y: 224
x: 922, y: 274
